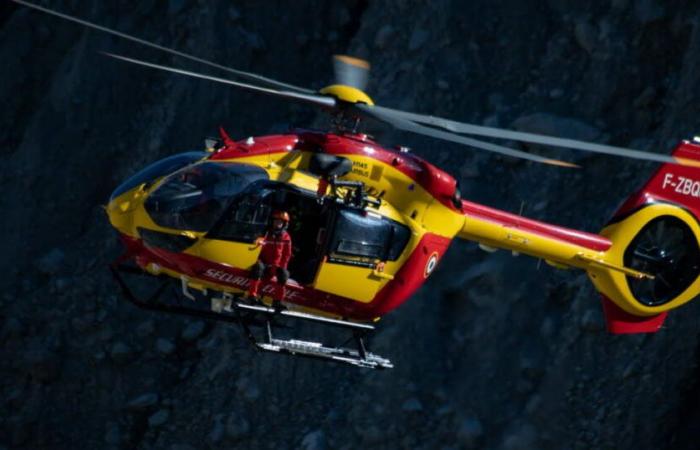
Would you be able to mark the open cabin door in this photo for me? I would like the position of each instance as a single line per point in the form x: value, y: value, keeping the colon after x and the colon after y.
x: 232, y: 240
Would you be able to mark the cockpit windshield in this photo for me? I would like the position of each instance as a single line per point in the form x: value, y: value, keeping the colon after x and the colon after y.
x: 196, y: 196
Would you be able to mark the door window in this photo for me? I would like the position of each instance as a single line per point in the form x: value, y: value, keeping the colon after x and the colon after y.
x: 367, y: 236
x: 246, y: 219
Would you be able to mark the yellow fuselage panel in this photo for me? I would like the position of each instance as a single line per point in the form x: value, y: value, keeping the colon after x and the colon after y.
x: 239, y: 255
x: 441, y: 220
x: 356, y: 283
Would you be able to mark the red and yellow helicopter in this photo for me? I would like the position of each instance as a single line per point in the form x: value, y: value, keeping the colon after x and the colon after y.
x: 370, y: 224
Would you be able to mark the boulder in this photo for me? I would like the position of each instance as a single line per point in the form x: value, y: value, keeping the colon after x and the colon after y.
x: 51, y: 262
x: 193, y: 331
x: 469, y: 431
x: 158, y: 418
x: 121, y: 353
x: 143, y: 401
x: 237, y: 427
x: 315, y: 440
x: 165, y: 346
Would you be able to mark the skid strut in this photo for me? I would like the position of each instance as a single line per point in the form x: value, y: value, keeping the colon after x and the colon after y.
x: 230, y: 309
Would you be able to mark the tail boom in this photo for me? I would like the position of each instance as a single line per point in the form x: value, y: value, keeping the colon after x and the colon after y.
x: 559, y: 246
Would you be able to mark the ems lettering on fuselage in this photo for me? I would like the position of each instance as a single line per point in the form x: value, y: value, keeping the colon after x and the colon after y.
x: 242, y: 282
x: 360, y: 168
x: 235, y: 280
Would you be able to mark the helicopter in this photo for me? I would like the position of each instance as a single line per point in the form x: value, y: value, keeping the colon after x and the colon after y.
x: 370, y: 224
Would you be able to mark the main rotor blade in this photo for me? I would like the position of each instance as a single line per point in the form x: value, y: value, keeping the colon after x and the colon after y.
x: 407, y: 125
x: 245, y: 75
x: 478, y: 130
x: 320, y: 100
x: 351, y: 71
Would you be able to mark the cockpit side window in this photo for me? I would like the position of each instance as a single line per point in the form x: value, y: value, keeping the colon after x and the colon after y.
x: 195, y: 197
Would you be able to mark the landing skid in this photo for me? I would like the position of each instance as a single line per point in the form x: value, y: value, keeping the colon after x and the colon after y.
x: 230, y: 309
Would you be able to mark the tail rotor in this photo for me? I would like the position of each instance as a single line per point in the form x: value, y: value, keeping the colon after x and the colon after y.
x: 667, y: 249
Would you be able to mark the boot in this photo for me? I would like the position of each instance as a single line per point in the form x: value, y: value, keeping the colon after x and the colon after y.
x: 252, y: 295
x: 278, y: 296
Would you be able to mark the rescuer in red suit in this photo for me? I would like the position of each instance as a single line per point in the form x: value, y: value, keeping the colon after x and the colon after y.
x: 274, y: 256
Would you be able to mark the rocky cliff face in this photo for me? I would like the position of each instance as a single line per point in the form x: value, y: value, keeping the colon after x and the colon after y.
x: 494, y: 352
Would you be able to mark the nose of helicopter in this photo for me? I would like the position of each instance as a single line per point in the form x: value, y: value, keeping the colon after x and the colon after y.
x: 129, y: 194
x: 120, y: 210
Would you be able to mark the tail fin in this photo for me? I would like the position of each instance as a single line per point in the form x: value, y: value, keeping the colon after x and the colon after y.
x: 656, y: 232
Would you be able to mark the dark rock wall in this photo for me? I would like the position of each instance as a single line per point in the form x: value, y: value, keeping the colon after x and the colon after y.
x: 494, y: 352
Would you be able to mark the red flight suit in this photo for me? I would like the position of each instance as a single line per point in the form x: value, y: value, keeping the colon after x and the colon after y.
x: 274, y: 256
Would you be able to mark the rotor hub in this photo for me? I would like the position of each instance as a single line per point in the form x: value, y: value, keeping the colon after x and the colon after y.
x: 347, y: 94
